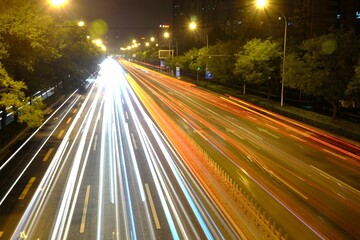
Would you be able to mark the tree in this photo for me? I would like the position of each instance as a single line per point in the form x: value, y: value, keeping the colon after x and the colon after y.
x: 12, y: 98
x: 221, y: 59
x: 35, y: 53
x: 79, y: 57
x: 259, y: 63
x: 353, y: 87
x: 26, y: 35
x: 324, y: 66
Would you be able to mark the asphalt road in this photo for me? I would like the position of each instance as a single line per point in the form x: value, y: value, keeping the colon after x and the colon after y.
x: 101, y: 169
x: 114, y: 165
x: 305, y: 179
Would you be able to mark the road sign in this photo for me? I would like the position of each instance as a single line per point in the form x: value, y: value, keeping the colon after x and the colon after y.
x: 166, y: 53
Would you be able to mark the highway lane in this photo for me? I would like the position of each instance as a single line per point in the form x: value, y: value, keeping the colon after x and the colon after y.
x: 21, y: 169
x: 305, y: 179
x: 116, y: 176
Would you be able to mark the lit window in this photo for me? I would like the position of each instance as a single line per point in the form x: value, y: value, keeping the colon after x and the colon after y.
x: 357, y: 15
x: 338, y: 17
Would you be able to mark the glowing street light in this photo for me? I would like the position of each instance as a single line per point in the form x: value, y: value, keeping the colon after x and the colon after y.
x: 166, y: 34
x: 58, y: 3
x: 262, y: 4
x: 147, y: 44
x: 81, y: 23
x: 192, y: 25
x: 152, y: 39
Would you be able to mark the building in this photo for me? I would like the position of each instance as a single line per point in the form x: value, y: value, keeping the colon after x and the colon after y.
x: 223, y: 19
x: 316, y: 17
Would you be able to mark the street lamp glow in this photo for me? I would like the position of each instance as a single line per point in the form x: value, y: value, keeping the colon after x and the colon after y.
x: 261, y: 3
x: 81, y: 23
x: 192, y: 25
x: 134, y: 41
x: 98, y: 42
x: 57, y: 3
x: 147, y: 44
x: 166, y: 34
x: 152, y: 39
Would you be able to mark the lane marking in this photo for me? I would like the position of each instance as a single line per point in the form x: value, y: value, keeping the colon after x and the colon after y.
x: 48, y: 154
x: 289, y: 186
x: 300, y: 139
x: 69, y: 120
x: 86, y: 203
x: 152, y: 206
x: 133, y: 139
x: 269, y: 125
x: 75, y: 110
x: 127, y: 116
x: 27, y: 188
x: 267, y: 132
x: 61, y: 133
x: 95, y: 142
x: 334, y: 154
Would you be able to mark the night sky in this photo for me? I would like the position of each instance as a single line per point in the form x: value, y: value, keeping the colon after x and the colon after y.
x: 126, y: 19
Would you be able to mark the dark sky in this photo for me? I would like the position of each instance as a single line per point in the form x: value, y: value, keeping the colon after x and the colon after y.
x: 126, y: 18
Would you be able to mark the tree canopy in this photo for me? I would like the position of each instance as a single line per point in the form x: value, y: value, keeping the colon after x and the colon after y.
x: 324, y: 66
x: 37, y: 52
x: 259, y: 62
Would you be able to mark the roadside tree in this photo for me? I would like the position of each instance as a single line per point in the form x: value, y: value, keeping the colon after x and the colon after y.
x: 324, y: 67
x: 259, y: 63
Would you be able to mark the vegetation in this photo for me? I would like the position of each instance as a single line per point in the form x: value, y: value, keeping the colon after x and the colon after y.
x: 37, y: 52
x: 258, y: 63
x: 325, y: 68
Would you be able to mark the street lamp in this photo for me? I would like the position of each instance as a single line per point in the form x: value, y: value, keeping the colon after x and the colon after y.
x: 167, y: 36
x: 81, y: 23
x: 193, y: 27
x: 262, y: 4
x: 58, y: 3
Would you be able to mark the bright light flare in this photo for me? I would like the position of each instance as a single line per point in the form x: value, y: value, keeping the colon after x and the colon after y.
x: 192, y: 25
x: 261, y: 3
x: 58, y: 3
x: 81, y: 23
x: 166, y: 34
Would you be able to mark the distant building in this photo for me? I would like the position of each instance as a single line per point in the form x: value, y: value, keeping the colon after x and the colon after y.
x: 223, y: 19
x: 316, y: 17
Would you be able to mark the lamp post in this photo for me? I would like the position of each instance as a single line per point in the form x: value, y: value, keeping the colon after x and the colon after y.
x: 262, y: 4
x: 167, y: 36
x: 193, y: 27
